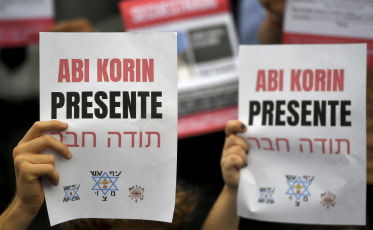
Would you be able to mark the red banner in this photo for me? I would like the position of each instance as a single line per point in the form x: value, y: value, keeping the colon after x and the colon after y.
x: 22, y: 32
x: 205, y: 122
x: 136, y: 14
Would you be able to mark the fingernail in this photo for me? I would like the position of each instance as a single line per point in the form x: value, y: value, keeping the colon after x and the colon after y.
x: 69, y: 155
x: 64, y: 124
x: 243, y: 126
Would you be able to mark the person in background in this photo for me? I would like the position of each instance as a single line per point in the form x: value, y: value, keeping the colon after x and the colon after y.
x: 250, y: 17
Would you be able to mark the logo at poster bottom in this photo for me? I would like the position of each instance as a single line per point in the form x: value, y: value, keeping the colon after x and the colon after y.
x: 136, y: 193
x: 299, y: 188
x: 266, y: 195
x: 71, y: 192
x: 328, y: 199
x: 105, y: 183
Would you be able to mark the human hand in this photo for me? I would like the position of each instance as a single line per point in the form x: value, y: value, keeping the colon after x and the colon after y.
x: 234, y: 153
x: 275, y: 8
x: 74, y: 25
x: 30, y: 165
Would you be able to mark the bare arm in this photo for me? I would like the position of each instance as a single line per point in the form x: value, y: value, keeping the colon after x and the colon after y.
x: 29, y: 167
x: 223, y: 215
x: 271, y: 29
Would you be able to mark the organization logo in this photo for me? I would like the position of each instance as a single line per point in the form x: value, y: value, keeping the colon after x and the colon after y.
x: 105, y: 183
x: 71, y: 193
x: 266, y: 195
x: 328, y: 199
x: 136, y: 193
x: 299, y: 188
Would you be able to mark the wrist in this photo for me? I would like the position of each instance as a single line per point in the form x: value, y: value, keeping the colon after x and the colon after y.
x: 230, y: 189
x: 24, y: 207
x: 17, y: 216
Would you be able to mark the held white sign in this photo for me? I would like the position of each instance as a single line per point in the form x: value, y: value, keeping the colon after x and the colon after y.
x: 328, y: 22
x: 305, y: 110
x: 118, y: 93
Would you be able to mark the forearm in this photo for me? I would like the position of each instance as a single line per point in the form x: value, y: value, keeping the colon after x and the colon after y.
x: 15, y: 217
x: 270, y: 31
x: 223, y: 215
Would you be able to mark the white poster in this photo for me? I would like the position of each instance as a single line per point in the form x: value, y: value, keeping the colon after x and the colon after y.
x: 118, y: 93
x: 305, y: 110
x: 329, y: 21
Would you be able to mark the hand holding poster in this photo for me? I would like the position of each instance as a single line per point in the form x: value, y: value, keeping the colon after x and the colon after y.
x: 305, y: 110
x: 118, y: 93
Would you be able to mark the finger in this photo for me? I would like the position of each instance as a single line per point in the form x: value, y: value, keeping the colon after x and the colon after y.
x: 233, y: 161
x: 234, y: 126
x: 32, y: 172
x: 75, y: 25
x: 39, y: 144
x: 59, y: 27
x: 85, y: 26
x: 238, y: 151
x: 42, y: 126
x: 34, y: 159
x: 63, y: 26
x: 233, y: 140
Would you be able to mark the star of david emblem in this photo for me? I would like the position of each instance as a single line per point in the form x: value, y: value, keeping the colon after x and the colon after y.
x: 105, y: 183
x: 298, y: 188
x: 71, y: 193
x: 266, y: 195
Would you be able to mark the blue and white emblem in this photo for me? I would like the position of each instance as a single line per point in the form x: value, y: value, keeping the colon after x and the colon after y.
x: 299, y: 188
x: 266, y: 195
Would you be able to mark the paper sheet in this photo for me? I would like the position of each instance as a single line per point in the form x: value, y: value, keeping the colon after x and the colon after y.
x: 118, y: 93
x: 305, y: 110
x: 328, y: 22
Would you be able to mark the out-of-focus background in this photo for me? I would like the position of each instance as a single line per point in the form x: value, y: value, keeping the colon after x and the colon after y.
x: 208, y: 81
